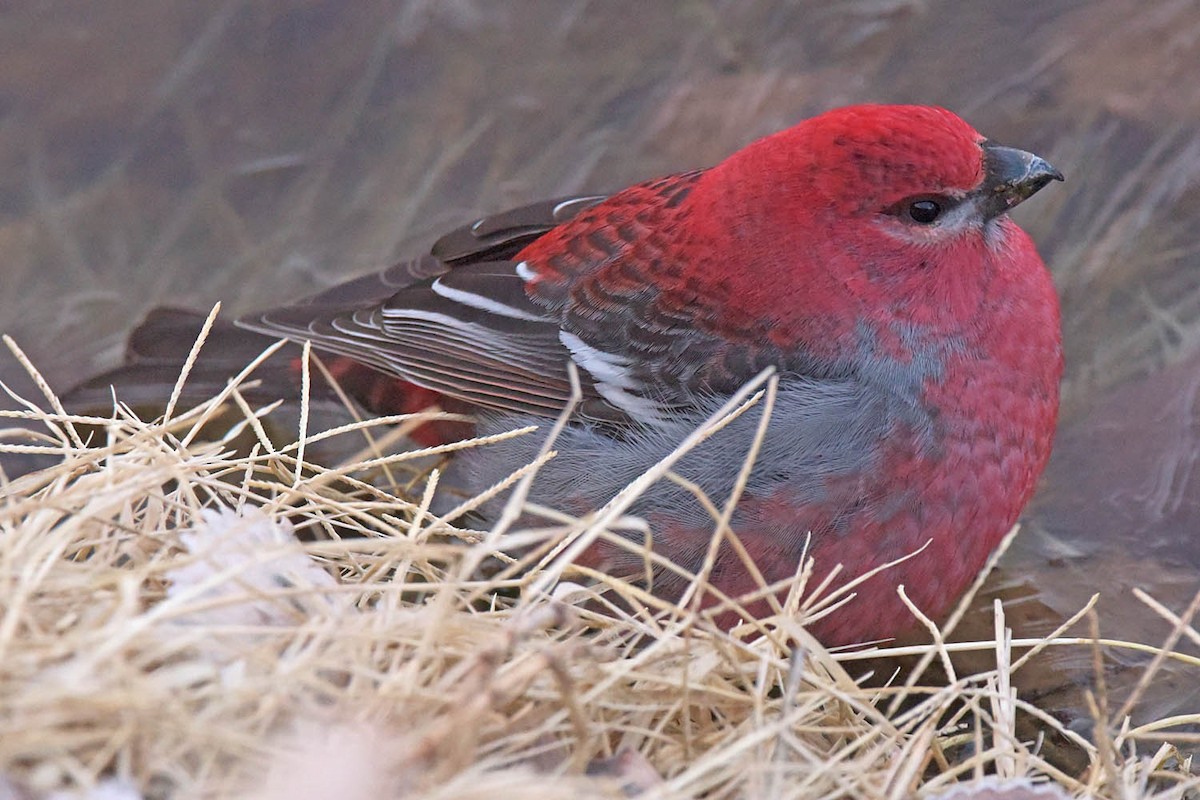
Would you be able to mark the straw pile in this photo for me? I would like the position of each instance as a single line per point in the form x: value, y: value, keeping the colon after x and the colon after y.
x: 180, y: 619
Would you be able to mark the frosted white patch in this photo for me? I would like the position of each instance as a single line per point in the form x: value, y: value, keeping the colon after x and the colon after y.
x: 482, y: 303
x: 318, y: 758
x: 240, y: 562
x: 1004, y: 789
x: 525, y: 272
x: 106, y: 789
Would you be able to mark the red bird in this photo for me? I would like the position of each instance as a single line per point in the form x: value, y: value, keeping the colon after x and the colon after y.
x: 865, y: 254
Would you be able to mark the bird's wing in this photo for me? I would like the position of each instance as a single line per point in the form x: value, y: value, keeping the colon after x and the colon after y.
x: 458, y: 321
x: 492, y: 238
x: 495, y: 348
x: 502, y: 236
x: 503, y: 306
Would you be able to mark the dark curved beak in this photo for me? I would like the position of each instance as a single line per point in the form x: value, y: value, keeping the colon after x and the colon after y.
x: 1011, y: 176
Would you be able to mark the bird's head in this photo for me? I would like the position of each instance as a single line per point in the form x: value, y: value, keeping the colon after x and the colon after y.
x: 869, y: 205
x: 918, y: 173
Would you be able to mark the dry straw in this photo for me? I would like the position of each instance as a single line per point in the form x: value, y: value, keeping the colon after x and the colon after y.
x: 182, y: 620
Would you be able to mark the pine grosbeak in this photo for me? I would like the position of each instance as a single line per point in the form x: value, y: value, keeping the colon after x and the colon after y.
x: 865, y: 254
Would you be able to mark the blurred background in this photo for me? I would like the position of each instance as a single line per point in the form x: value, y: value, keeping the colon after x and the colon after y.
x: 169, y: 152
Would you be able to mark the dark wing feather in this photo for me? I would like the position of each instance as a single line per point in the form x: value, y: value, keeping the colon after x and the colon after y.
x: 466, y: 352
x: 457, y: 321
x: 376, y: 287
x: 501, y: 236
x: 166, y: 336
x: 157, y: 349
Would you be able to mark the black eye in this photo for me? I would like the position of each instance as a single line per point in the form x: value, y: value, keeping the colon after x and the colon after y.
x: 925, y: 212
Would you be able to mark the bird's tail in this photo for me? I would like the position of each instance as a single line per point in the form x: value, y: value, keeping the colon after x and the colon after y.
x: 159, y: 346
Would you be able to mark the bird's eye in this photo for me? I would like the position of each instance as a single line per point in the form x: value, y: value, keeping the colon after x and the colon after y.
x: 924, y: 212
x: 922, y: 209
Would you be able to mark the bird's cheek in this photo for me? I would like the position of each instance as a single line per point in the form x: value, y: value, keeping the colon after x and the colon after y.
x: 948, y: 285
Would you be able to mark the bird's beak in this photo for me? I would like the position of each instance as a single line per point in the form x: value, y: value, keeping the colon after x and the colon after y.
x: 1011, y: 176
